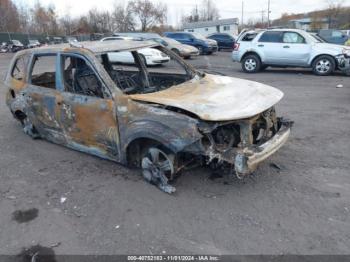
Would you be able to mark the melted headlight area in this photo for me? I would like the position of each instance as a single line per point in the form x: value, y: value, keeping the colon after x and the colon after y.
x: 223, y: 141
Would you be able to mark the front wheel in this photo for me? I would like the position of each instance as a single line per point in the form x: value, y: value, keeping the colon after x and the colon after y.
x: 200, y: 49
x: 158, y: 168
x: 251, y: 64
x: 323, y: 65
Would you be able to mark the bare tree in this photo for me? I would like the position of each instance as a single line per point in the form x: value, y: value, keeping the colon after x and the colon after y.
x: 332, y: 12
x: 209, y: 11
x: 147, y: 13
x: 8, y: 16
x: 44, y: 19
x: 123, y: 18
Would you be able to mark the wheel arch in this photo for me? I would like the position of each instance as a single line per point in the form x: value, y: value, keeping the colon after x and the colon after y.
x: 319, y: 55
x: 134, y: 148
x: 250, y: 53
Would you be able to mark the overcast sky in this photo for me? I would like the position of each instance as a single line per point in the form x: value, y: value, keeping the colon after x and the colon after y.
x: 227, y: 8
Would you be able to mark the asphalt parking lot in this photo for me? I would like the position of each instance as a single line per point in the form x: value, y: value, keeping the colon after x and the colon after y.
x: 297, y: 202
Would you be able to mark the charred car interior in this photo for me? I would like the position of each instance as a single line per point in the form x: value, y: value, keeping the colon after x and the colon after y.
x: 162, y: 118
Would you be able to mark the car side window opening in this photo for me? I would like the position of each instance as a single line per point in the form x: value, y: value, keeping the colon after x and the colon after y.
x: 43, y: 71
x: 79, y: 77
x: 18, y: 70
x: 271, y: 37
x: 134, y: 76
x: 124, y: 70
x: 249, y: 37
x: 293, y: 38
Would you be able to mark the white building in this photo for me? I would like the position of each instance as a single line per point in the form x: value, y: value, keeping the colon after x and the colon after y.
x: 205, y: 28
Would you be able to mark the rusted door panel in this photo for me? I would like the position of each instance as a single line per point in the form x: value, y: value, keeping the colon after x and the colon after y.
x: 44, y: 111
x: 90, y: 124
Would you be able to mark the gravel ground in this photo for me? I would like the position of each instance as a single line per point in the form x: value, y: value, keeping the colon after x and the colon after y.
x: 74, y: 203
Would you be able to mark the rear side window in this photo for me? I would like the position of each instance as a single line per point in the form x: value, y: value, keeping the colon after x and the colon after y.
x: 43, y: 72
x: 293, y: 38
x: 271, y: 37
x: 18, y: 70
x: 249, y: 37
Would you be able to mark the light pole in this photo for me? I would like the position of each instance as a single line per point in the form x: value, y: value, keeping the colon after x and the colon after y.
x: 268, y: 13
x: 242, y: 14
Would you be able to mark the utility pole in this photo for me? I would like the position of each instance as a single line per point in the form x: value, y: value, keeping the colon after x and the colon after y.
x: 268, y: 13
x: 262, y: 17
x: 208, y: 10
x: 242, y: 14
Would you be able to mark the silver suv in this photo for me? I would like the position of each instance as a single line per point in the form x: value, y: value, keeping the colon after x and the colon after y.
x: 256, y: 50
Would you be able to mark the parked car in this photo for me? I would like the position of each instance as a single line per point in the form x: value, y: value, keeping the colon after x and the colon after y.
x: 138, y: 35
x: 185, y: 51
x: 224, y: 40
x: 71, y: 39
x: 150, y: 56
x: 161, y: 120
x: 33, y: 43
x: 333, y: 36
x: 4, y: 47
x: 285, y: 48
x: 204, y: 45
x: 15, y: 46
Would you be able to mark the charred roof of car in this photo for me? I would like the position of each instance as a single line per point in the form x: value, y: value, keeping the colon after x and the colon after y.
x: 97, y: 47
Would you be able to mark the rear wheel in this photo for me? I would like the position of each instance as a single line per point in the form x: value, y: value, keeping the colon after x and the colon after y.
x: 251, y: 64
x: 27, y: 125
x: 323, y: 65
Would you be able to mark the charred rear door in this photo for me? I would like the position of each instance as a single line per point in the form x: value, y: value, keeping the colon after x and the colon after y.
x: 42, y: 97
x: 87, y: 115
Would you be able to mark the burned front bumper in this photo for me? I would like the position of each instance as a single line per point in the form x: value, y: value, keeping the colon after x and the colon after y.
x: 247, y: 159
x: 244, y: 149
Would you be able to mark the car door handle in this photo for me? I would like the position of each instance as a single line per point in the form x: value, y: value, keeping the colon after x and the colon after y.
x: 260, y: 45
x: 286, y: 46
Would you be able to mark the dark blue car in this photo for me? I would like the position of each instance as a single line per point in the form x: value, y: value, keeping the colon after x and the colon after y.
x: 225, y: 41
x: 204, y: 45
x: 333, y: 36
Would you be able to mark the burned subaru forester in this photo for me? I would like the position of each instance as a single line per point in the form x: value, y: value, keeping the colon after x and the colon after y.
x: 162, y: 119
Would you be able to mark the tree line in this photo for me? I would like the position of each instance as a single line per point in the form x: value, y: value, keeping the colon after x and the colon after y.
x: 135, y: 15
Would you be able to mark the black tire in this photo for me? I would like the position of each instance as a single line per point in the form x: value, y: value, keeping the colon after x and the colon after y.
x: 323, y: 65
x: 251, y: 64
x: 200, y: 49
x: 176, y: 51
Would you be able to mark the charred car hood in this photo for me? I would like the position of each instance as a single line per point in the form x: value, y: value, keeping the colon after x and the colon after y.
x: 217, y: 98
